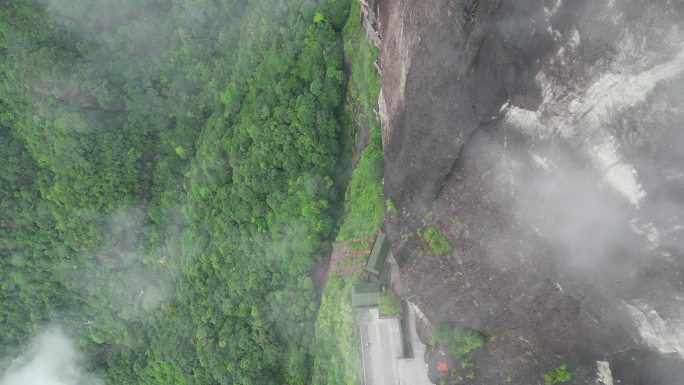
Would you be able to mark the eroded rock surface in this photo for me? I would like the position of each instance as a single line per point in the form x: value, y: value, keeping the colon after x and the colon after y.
x: 544, y: 139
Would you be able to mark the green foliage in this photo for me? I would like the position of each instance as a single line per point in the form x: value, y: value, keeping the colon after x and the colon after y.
x: 358, y: 246
x: 364, y: 209
x: 457, y: 341
x: 336, y: 340
x: 494, y: 336
x: 181, y: 152
x: 461, y: 223
x: 558, y: 375
x: 389, y: 304
x: 473, y: 10
x: 391, y: 206
x: 167, y: 182
x: 335, y: 348
x: 437, y: 241
x: 364, y: 84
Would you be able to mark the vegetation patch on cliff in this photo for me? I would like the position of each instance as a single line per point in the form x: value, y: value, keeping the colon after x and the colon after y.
x: 336, y: 340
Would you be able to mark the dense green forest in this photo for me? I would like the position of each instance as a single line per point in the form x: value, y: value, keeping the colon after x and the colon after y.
x: 336, y: 334
x: 168, y: 178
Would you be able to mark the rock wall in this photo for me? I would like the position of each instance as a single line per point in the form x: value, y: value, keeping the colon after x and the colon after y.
x: 543, y: 138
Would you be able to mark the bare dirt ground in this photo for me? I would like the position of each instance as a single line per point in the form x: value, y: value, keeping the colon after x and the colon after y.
x: 342, y: 251
x: 337, y: 262
x: 451, y: 158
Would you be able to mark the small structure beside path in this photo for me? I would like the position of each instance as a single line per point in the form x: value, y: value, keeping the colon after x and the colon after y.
x: 366, y: 294
x: 378, y: 256
x: 390, y: 351
x: 384, y: 362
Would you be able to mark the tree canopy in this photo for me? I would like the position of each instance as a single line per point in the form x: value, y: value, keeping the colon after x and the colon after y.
x: 167, y: 181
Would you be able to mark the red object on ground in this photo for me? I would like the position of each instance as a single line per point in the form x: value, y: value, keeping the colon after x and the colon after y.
x: 442, y: 366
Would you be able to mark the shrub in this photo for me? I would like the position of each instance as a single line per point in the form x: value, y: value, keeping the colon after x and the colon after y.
x: 559, y: 374
x: 391, y: 207
x: 436, y: 240
x: 389, y: 304
x: 457, y: 341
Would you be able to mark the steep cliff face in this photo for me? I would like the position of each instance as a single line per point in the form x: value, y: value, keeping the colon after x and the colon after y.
x: 544, y: 139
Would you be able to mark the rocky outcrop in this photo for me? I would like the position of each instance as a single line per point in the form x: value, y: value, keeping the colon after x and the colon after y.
x: 543, y: 138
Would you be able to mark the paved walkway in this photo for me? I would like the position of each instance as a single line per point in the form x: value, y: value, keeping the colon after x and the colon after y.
x: 381, y: 347
x: 413, y: 371
x: 382, y: 352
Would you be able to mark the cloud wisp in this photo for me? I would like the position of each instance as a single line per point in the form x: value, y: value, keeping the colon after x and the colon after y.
x: 52, y: 359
